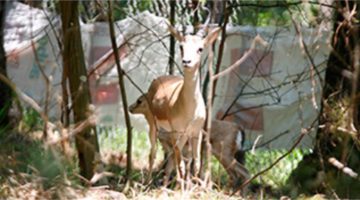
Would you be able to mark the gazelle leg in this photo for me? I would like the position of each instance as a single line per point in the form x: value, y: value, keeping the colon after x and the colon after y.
x: 168, y: 168
x: 195, y: 143
x: 178, y: 160
x: 152, y: 155
x: 174, y: 158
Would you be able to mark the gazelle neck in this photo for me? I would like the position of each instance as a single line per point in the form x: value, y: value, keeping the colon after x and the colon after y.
x: 191, y: 87
x: 191, y: 83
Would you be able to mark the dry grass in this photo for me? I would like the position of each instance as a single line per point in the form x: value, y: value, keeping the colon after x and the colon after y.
x: 28, y: 170
x: 31, y: 170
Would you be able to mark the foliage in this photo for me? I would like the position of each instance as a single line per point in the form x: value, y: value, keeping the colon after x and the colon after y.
x: 243, y: 12
x: 123, y: 8
x: 20, y: 153
x: 249, y: 12
x: 114, y: 139
x: 24, y: 158
x: 273, y: 13
x: 260, y: 15
x: 31, y: 119
x: 315, y: 173
x: 278, y: 175
x: 49, y: 164
x: 3, y: 112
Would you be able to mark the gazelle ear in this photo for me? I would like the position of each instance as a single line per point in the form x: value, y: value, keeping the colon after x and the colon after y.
x: 211, y: 37
x: 174, y: 32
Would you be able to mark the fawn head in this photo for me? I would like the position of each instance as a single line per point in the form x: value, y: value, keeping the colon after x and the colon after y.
x: 140, y: 106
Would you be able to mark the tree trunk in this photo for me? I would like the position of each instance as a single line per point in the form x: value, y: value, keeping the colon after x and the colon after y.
x: 172, y: 39
x: 74, y: 63
x: 122, y: 92
x: 338, y: 140
x: 5, y: 97
x: 34, y: 3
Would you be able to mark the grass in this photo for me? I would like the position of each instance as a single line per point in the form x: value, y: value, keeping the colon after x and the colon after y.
x: 27, y: 166
x: 115, y: 140
x: 277, y: 176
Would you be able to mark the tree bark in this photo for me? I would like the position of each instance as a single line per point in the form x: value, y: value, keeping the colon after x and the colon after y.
x: 5, y: 97
x: 337, y: 139
x: 226, y: 16
x: 74, y: 63
x: 122, y: 92
x: 172, y: 39
x: 35, y: 3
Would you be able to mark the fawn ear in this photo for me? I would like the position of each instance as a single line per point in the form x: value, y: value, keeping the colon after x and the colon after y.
x: 174, y: 32
x: 212, y: 36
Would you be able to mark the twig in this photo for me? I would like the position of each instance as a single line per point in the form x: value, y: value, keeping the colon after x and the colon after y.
x: 252, y: 75
x: 269, y: 141
x: 97, y: 176
x: 342, y: 167
x: 26, y: 99
x: 255, y: 142
x: 278, y: 4
x: 47, y: 90
x: 90, y: 121
x: 296, y: 143
x: 256, y: 40
x: 312, y: 63
x: 99, y: 63
x: 47, y: 82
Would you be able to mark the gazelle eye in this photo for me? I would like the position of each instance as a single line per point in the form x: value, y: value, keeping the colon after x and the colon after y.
x: 200, y: 50
x: 138, y: 101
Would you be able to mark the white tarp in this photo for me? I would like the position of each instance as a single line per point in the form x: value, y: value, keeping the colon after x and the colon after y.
x: 278, y: 92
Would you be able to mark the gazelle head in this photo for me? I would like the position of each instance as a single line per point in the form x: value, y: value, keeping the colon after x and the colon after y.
x: 141, y: 106
x: 192, y: 46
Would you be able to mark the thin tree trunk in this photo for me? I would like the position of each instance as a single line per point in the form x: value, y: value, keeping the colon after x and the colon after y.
x: 5, y: 97
x: 222, y: 44
x: 172, y: 39
x: 122, y: 92
x: 74, y: 63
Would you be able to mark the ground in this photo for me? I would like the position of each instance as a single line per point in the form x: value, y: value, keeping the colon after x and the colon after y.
x: 29, y: 169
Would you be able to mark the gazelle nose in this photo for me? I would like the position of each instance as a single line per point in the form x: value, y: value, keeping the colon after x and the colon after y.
x: 185, y: 62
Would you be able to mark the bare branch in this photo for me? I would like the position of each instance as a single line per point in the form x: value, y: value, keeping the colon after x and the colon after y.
x: 342, y: 167
x: 24, y: 97
x: 278, y: 4
x: 90, y: 121
x: 47, y: 86
x: 256, y: 40
x: 303, y: 133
